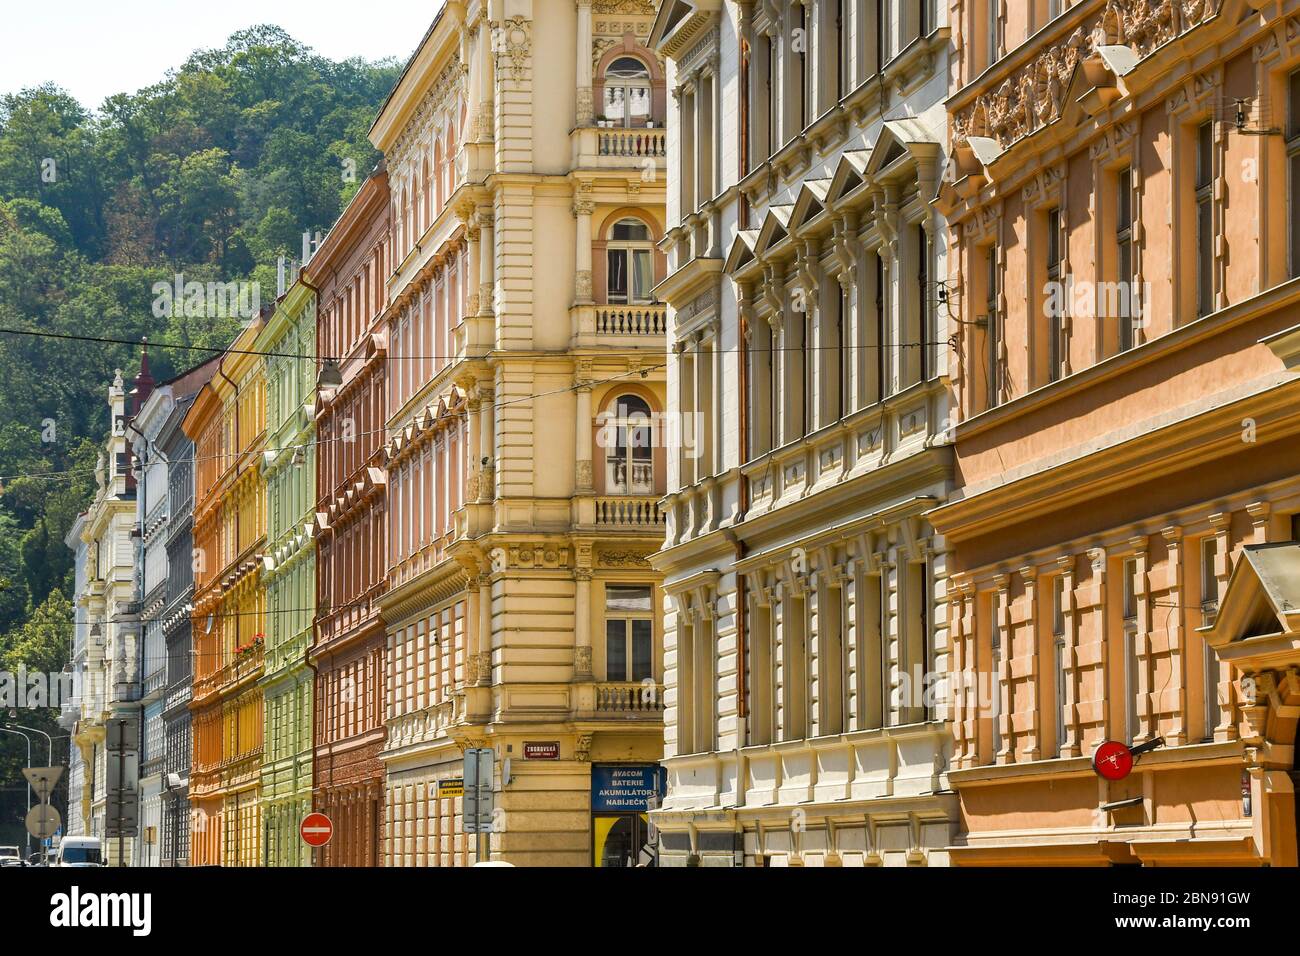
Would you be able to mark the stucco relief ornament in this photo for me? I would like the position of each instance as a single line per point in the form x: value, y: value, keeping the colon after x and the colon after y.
x: 582, y: 661
x: 514, y: 44
x: 582, y: 283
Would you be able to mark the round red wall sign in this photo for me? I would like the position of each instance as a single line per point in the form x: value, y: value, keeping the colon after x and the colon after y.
x: 1113, y: 760
x: 316, y: 829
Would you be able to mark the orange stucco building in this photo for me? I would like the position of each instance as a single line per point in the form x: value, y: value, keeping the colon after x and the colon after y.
x: 227, y: 424
x: 1121, y: 201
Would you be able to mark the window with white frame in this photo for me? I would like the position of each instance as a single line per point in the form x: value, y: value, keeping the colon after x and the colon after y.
x: 1209, y: 608
x: 630, y: 259
x: 627, y: 93
x: 1130, y: 611
x: 1058, y: 655
x: 629, y: 463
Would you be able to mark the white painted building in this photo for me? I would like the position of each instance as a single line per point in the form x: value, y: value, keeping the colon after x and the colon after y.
x: 807, y: 329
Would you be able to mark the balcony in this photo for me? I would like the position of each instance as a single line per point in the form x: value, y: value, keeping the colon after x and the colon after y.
x: 616, y: 148
x: 619, y: 700
x: 620, y: 326
x: 631, y: 513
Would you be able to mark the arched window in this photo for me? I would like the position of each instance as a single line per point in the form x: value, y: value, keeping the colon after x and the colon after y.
x: 627, y: 92
x: 629, y: 463
x: 630, y: 276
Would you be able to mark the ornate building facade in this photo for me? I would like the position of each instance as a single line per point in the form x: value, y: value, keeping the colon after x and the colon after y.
x: 109, y: 681
x: 805, y: 625
x: 1119, y: 194
x: 348, y: 272
x: 287, y: 347
x: 166, y: 497
x: 227, y: 424
x: 526, y: 185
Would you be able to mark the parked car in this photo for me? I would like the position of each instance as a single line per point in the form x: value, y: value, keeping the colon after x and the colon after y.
x: 79, y: 851
x: 9, y: 856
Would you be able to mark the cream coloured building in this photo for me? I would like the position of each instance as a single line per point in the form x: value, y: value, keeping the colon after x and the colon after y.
x: 805, y: 622
x: 524, y: 460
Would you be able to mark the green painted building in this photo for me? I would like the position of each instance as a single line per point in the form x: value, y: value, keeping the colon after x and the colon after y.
x: 289, y: 572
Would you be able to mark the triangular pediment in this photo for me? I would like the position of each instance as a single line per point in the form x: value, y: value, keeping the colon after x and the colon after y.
x: 741, y: 252
x: 774, y: 228
x: 810, y: 203
x: 899, y: 139
x: 849, y: 174
x: 1263, y: 595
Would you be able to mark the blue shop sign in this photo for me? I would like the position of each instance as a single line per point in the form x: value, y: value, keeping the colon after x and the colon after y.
x: 625, y: 789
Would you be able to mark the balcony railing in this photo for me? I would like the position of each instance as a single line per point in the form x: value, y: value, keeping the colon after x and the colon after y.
x: 628, y: 512
x: 630, y: 319
x: 633, y: 143
x: 629, y: 697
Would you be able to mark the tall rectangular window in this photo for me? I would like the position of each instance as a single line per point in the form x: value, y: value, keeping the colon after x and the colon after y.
x: 1058, y: 659
x: 805, y: 87
x: 1124, y: 258
x: 1205, y: 219
x: 1054, y: 279
x: 761, y: 676
x: 1130, y: 648
x: 882, y: 324
x: 923, y: 296
x: 1210, y: 608
x: 1293, y: 173
x: 995, y: 666
x: 841, y: 51
x: 629, y: 632
x: 992, y: 327
x: 991, y: 31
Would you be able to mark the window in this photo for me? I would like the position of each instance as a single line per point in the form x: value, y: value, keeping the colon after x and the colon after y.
x: 991, y: 35
x: 1054, y: 328
x: 995, y: 678
x: 992, y: 326
x: 1293, y: 172
x: 629, y: 632
x: 1204, y: 219
x: 631, y: 268
x: 1130, y: 649
x: 1124, y: 258
x: 923, y: 295
x: 627, y: 92
x: 882, y: 324
x: 1210, y: 607
x: 629, y: 466
x: 1058, y: 658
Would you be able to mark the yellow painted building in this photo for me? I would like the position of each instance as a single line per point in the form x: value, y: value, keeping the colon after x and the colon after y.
x: 227, y: 424
x: 525, y: 164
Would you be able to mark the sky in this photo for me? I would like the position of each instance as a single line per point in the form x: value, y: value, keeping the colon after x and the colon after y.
x: 95, y: 48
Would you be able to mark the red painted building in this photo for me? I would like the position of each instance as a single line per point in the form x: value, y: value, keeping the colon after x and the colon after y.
x: 348, y: 273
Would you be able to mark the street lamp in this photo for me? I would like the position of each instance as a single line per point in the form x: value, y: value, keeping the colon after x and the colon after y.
x: 35, y: 730
x: 18, y: 733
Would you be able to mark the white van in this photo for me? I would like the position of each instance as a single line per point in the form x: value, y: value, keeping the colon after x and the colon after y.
x: 79, y: 851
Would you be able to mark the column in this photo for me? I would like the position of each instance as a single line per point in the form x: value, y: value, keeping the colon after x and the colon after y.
x: 582, y: 624
x: 585, y: 106
x: 582, y: 210
x: 583, y: 477
x: 485, y: 630
x: 486, y: 262
x: 486, y: 488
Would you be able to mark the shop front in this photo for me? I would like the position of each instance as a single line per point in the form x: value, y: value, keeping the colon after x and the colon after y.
x: 621, y: 797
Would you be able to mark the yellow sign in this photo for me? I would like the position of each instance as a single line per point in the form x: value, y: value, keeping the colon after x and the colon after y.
x: 451, y: 788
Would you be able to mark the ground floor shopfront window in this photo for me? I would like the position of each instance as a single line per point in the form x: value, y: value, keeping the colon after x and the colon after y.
x: 621, y: 797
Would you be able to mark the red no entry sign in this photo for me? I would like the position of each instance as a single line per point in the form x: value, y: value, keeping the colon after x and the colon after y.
x: 1113, y: 760
x: 316, y: 829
